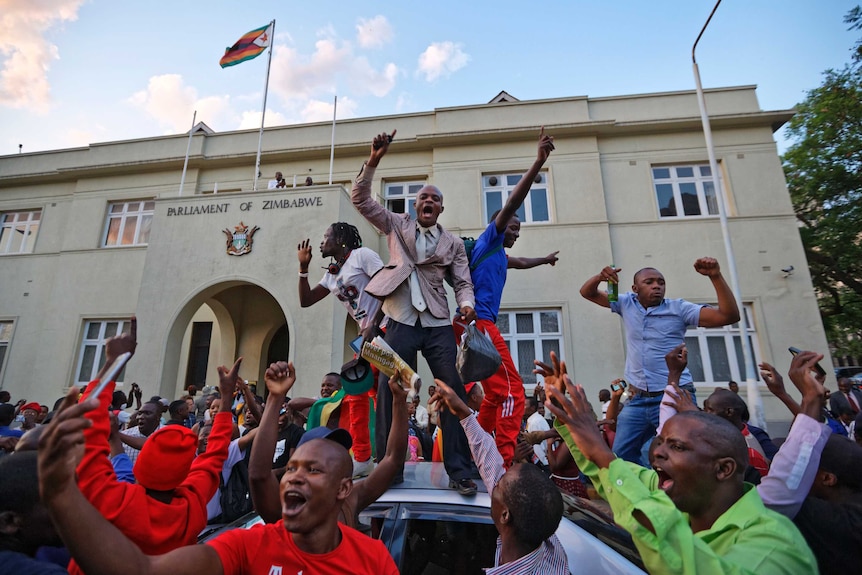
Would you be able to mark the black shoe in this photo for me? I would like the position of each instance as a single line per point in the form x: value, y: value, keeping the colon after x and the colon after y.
x: 463, y: 486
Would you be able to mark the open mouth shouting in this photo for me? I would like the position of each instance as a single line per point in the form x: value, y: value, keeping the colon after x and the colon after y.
x: 665, y: 482
x: 293, y: 503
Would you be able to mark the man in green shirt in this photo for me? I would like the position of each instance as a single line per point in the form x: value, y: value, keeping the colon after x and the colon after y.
x: 692, y: 513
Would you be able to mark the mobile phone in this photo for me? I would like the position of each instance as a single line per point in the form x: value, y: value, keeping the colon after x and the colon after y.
x: 356, y: 344
x: 817, y: 367
x: 112, y: 372
x: 618, y: 386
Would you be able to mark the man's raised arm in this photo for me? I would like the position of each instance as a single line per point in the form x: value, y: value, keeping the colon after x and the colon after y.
x: 590, y: 289
x: 279, y: 377
x: 522, y: 188
x: 794, y: 467
x: 379, y: 480
x: 727, y: 311
x: 376, y: 214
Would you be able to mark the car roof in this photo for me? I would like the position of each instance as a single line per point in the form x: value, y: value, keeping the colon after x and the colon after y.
x: 848, y: 370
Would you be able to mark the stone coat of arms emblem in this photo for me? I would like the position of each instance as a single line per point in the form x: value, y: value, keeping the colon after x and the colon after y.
x: 239, y: 241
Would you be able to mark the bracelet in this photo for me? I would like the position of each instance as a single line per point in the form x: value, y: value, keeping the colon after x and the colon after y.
x: 303, y: 274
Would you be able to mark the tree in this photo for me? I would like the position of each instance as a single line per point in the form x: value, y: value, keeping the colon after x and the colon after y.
x: 824, y: 176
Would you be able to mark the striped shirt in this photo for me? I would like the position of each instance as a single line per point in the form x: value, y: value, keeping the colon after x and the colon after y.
x: 549, y: 557
x: 131, y: 451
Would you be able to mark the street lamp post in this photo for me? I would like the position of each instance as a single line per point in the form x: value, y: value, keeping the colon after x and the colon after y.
x: 755, y: 402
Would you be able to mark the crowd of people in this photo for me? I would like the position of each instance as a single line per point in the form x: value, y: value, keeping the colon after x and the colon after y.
x: 699, y: 490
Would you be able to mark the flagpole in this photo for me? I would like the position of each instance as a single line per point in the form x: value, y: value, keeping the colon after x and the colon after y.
x: 263, y: 110
x: 332, y: 145
x: 188, y: 149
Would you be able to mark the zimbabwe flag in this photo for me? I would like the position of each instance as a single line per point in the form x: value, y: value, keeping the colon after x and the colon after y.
x: 251, y: 45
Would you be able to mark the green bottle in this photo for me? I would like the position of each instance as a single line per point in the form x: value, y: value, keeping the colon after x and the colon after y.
x: 613, y: 289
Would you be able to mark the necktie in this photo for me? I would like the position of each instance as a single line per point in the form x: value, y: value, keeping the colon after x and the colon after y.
x: 415, y: 290
x: 853, y: 404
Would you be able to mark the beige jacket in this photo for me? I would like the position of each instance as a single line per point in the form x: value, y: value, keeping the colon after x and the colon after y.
x: 400, y: 231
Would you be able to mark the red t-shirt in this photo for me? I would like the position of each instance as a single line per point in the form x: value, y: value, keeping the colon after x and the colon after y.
x: 268, y: 549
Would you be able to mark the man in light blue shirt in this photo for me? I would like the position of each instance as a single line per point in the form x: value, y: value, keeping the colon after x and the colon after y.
x: 654, y: 326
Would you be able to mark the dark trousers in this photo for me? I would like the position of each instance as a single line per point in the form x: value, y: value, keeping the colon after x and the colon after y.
x: 437, y: 345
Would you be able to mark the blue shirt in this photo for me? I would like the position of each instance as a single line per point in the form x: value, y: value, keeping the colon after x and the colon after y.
x: 650, y: 334
x: 489, y: 277
x: 6, y: 431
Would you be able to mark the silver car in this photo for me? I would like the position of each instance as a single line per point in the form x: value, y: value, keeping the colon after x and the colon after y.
x: 430, y: 529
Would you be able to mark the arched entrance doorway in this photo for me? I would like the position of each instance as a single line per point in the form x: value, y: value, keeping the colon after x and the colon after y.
x: 221, y: 323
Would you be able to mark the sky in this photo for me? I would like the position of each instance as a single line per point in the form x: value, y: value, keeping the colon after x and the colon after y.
x: 75, y: 72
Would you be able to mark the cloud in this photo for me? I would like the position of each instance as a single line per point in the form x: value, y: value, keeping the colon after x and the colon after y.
x: 27, y: 53
x: 441, y: 59
x: 171, y: 103
x: 404, y: 103
x: 373, y: 33
x: 331, y: 66
x: 321, y: 111
x: 251, y: 119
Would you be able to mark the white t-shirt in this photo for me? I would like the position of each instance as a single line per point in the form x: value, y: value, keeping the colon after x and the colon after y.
x: 349, y: 285
x: 537, y: 423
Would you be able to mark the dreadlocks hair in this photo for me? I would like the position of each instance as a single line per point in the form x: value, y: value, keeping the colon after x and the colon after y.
x: 346, y: 235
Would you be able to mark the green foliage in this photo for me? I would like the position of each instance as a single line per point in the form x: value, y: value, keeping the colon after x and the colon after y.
x: 824, y: 176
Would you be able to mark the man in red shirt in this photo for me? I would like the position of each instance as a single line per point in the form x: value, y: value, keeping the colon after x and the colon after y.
x: 316, y: 482
x: 166, y: 508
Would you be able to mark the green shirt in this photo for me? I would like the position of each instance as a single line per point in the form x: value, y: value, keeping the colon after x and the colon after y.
x: 747, y: 538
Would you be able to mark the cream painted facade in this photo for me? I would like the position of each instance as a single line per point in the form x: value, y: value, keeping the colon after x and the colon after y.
x: 601, y: 203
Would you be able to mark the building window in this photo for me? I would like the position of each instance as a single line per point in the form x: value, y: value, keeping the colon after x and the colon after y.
x: 536, y: 207
x: 399, y: 196
x: 5, y: 339
x: 531, y: 335
x: 129, y: 223
x: 18, y: 231
x: 92, y: 355
x: 685, y: 191
x: 715, y: 353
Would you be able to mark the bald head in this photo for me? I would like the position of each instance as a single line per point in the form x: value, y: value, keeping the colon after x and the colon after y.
x: 720, y: 436
x: 727, y: 405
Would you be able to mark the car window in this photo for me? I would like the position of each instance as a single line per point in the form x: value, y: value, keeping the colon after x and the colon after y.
x: 378, y: 521
x: 445, y: 539
x: 596, y: 518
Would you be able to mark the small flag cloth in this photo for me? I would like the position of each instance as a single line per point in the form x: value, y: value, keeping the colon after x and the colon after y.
x: 251, y: 45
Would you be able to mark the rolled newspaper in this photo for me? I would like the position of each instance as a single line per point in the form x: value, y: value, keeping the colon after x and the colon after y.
x: 378, y: 353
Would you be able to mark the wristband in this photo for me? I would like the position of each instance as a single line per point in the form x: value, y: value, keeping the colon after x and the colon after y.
x: 303, y: 274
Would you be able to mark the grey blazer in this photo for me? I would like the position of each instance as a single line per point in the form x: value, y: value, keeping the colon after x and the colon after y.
x: 400, y: 231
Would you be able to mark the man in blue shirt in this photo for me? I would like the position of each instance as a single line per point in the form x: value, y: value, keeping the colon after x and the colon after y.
x: 654, y: 326
x: 503, y: 406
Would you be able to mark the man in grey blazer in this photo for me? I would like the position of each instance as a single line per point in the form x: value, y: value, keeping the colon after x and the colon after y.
x: 421, y: 255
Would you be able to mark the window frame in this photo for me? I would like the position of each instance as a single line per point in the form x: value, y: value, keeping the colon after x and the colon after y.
x: 525, y: 212
x: 6, y: 344
x: 26, y: 247
x: 698, y: 179
x: 123, y: 217
x: 537, y: 338
x: 124, y: 325
x: 734, y: 357
x: 408, y: 196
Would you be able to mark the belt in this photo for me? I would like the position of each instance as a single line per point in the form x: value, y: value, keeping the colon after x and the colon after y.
x: 644, y: 393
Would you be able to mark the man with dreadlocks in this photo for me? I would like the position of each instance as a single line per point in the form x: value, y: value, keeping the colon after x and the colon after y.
x: 346, y: 277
